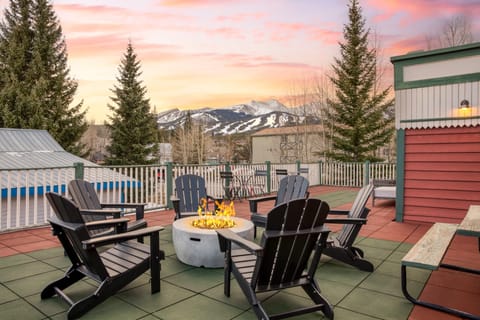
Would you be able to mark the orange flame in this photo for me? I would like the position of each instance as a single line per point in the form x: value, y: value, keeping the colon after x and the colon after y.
x: 221, y: 219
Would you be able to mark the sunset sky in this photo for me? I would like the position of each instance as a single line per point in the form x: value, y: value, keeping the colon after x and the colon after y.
x: 197, y: 53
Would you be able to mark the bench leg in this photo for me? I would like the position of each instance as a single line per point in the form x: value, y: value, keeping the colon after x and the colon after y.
x: 458, y: 313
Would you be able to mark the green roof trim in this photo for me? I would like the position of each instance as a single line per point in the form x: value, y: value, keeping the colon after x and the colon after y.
x: 422, y: 57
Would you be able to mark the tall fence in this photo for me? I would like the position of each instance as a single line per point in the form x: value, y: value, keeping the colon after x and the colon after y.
x: 23, y: 204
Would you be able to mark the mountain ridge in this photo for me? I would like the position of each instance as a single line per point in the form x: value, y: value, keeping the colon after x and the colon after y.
x: 239, y: 118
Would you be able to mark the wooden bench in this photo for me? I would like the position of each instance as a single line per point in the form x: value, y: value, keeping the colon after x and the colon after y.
x: 429, y: 251
x: 428, y: 254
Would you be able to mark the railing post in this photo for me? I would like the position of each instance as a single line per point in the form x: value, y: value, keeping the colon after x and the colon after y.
x: 79, y: 170
x: 298, y: 166
x: 320, y: 165
x: 269, y: 174
x: 366, y: 177
x: 169, y: 181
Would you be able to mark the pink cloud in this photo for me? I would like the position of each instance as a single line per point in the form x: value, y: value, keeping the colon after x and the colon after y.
x: 241, y: 17
x: 415, y: 10
x: 326, y: 36
x: 405, y: 46
x: 194, y: 2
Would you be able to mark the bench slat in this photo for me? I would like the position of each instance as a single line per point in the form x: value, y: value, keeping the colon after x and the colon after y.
x: 428, y: 252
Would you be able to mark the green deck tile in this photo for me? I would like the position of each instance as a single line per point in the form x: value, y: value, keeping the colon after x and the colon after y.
x: 334, y: 291
x: 343, y: 314
x: 199, y: 307
x: 405, y: 247
x: 171, y: 266
x: 115, y: 309
x: 34, y: 284
x: 347, y: 275
x: 143, y: 279
x: 375, y: 253
x: 396, y: 256
x: 390, y: 268
x: 247, y: 315
x: 150, y: 317
x: 55, y: 305
x: 19, y: 309
x: 6, y: 295
x: 47, y: 253
x: 166, y: 234
x: 383, y: 244
x: 390, y: 285
x: 60, y: 262
x: 142, y: 297
x: 376, y: 304
x: 283, y: 302
x: 14, y: 260
x: 197, y: 279
x: 337, y: 198
x: 168, y: 248
x: 237, y: 298
x: 24, y: 270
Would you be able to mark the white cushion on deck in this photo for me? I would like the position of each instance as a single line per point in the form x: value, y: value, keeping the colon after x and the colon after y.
x: 385, y: 192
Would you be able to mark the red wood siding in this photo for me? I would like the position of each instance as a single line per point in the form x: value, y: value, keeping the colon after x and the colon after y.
x: 442, y: 173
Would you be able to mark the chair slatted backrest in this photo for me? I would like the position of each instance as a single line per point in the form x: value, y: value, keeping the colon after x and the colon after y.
x: 190, y: 189
x: 85, y: 197
x: 286, y: 256
x: 290, y: 188
x: 66, y: 211
x: 349, y: 232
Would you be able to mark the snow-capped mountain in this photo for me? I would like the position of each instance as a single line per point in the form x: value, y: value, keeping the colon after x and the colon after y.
x: 240, y: 118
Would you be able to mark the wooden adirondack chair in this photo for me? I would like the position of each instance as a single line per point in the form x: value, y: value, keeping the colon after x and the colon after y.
x: 112, y: 269
x: 190, y: 189
x: 84, y: 195
x: 288, y: 256
x: 290, y: 188
x: 341, y: 247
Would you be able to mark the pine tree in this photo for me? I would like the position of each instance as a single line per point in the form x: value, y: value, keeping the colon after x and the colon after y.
x: 132, y: 126
x: 359, y: 114
x: 16, y: 41
x: 35, y: 88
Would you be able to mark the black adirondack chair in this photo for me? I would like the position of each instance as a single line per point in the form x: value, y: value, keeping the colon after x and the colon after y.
x: 288, y: 256
x: 190, y: 189
x: 290, y: 188
x: 84, y: 195
x: 341, y: 247
x: 112, y: 269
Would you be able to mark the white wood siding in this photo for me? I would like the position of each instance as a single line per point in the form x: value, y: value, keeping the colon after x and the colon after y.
x: 441, y: 69
x: 437, y: 106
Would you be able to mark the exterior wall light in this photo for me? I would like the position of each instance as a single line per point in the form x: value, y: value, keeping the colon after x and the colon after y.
x: 464, y: 104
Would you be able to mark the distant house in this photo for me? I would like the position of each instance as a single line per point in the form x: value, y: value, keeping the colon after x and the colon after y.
x: 32, y: 163
x: 288, y: 144
x: 437, y: 114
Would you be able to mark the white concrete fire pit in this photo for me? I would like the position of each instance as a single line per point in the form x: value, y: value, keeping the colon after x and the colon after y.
x: 199, y: 247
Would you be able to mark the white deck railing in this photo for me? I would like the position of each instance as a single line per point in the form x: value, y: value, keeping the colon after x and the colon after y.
x: 22, y: 201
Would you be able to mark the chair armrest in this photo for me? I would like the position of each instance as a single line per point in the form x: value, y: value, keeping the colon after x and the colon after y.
x: 343, y: 212
x: 92, y: 224
x: 101, y: 241
x: 277, y: 234
x: 254, y: 201
x: 104, y: 212
x: 139, y: 207
x: 347, y: 220
x: 226, y: 235
x: 120, y: 224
